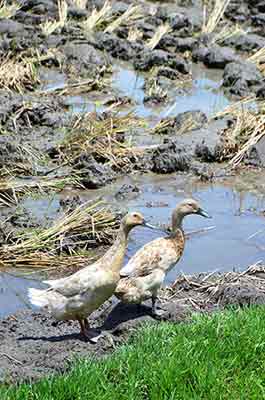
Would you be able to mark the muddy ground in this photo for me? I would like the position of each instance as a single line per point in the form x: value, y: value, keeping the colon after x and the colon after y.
x: 39, y: 118
x: 33, y: 345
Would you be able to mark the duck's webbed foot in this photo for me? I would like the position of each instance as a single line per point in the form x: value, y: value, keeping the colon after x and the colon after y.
x: 87, y: 332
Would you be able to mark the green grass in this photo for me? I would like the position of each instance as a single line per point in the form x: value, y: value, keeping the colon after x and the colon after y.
x: 219, y: 357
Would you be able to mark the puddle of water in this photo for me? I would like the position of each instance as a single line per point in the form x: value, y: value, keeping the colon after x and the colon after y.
x: 205, y: 92
x: 13, y: 293
x: 52, y: 79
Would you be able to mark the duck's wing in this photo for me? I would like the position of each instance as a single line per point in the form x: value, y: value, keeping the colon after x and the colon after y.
x: 84, y: 280
x: 151, y: 256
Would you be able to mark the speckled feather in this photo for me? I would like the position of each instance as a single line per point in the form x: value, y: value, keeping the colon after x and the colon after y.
x: 162, y: 253
x: 146, y: 270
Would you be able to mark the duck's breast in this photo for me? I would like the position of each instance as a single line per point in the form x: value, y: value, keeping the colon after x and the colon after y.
x: 89, y: 300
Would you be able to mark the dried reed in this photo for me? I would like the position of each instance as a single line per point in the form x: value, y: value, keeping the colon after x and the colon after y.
x: 87, y: 225
x: 17, y: 73
x: 49, y: 27
x: 11, y: 189
x: 247, y: 130
x: 8, y: 10
x: 131, y: 14
x: 134, y: 34
x: 160, y: 32
x: 79, y: 4
x: 97, y: 17
x: 100, y: 137
x: 214, y: 15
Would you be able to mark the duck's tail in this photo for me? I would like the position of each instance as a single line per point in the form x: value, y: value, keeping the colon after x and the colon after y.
x: 38, y: 297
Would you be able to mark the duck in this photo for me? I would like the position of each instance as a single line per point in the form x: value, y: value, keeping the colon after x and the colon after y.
x: 75, y: 297
x: 145, y: 272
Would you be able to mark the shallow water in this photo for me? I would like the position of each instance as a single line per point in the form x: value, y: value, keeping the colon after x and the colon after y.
x: 237, y: 214
x: 204, y: 92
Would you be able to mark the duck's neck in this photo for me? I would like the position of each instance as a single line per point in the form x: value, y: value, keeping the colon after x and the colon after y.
x: 177, y: 219
x: 115, y: 255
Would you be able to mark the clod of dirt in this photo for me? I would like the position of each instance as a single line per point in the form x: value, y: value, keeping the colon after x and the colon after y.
x: 238, y: 294
x: 92, y: 174
x: 241, y: 77
x: 203, y: 171
x: 149, y: 59
x: 256, y: 154
x: 11, y: 28
x: 170, y: 158
x: 179, y: 21
x: 245, y: 43
x: 184, y: 122
x: 261, y: 92
x: 10, y: 152
x: 200, y: 53
x: 219, y: 57
x: 186, y: 44
x: 168, y: 73
x: 83, y: 55
x: 77, y: 13
x: 237, y: 11
x: 209, y: 143
x: 116, y: 47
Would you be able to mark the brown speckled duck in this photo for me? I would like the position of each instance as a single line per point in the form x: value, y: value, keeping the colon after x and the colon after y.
x: 77, y: 296
x: 144, y: 274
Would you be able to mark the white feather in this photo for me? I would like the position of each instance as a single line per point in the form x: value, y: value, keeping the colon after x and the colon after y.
x: 37, y: 297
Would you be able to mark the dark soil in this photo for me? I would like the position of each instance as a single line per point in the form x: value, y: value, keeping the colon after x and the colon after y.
x: 33, y: 345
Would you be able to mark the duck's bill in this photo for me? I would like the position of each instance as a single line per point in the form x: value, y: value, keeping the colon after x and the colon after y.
x: 203, y: 213
x: 156, y: 228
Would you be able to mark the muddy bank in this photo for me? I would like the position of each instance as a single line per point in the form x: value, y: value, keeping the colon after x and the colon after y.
x: 33, y: 345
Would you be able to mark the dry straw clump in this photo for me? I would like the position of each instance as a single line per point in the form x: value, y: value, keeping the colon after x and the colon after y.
x: 12, y: 189
x: 131, y: 14
x: 8, y: 10
x: 18, y: 73
x: 49, y: 27
x: 97, y: 18
x: 134, y: 34
x: 103, y: 138
x: 160, y: 32
x: 87, y: 225
x: 247, y: 130
x: 105, y: 18
x: 213, y: 12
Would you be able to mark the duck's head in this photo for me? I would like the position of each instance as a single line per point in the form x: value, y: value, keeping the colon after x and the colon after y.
x: 135, y: 219
x: 191, y: 206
